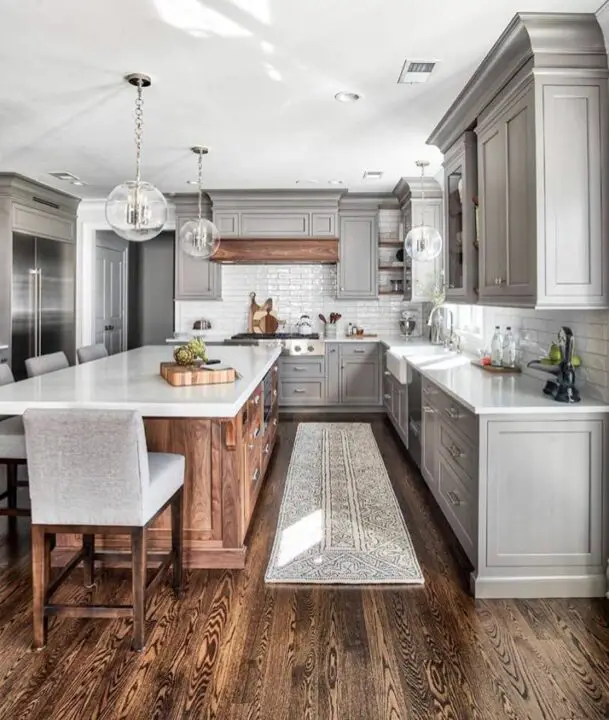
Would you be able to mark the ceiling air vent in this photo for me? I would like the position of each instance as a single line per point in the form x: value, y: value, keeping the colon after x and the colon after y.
x: 67, y: 177
x: 373, y: 174
x: 416, y: 71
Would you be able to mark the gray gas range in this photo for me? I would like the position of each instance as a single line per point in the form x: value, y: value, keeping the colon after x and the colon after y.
x: 290, y: 343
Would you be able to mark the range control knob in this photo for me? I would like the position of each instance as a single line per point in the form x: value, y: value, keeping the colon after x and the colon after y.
x: 311, y: 348
x: 297, y: 348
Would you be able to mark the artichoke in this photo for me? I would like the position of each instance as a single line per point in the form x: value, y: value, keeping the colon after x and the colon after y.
x: 184, y: 356
x: 198, y: 349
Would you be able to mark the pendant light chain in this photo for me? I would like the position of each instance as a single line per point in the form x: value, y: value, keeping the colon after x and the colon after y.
x: 139, y: 130
x: 200, y: 184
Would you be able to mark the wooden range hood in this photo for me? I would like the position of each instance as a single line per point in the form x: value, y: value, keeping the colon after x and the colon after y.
x: 266, y: 251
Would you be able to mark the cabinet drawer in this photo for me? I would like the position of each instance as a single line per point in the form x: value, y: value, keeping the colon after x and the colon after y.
x: 451, y: 411
x: 462, y: 453
x: 430, y: 392
x: 309, y: 392
x: 354, y: 349
x: 458, y: 504
x: 303, y: 368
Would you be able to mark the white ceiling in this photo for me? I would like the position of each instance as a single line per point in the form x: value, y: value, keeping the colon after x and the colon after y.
x: 253, y: 79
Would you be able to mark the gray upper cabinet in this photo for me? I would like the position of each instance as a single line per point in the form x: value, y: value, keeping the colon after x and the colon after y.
x: 195, y: 279
x: 358, y: 253
x: 460, y: 241
x: 540, y: 106
x: 275, y: 214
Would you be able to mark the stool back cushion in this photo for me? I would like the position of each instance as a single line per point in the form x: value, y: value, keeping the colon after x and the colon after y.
x: 86, y: 467
x: 91, y: 352
x: 6, y: 375
x: 46, y: 363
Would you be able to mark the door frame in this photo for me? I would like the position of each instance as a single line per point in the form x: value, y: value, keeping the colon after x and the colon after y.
x: 91, y: 218
x: 122, y: 246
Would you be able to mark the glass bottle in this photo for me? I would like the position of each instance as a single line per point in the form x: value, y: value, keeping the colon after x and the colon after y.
x: 509, y: 348
x: 497, y: 348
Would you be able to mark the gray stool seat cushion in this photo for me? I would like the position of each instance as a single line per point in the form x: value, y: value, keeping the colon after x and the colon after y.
x: 12, y: 439
x: 44, y: 364
x: 92, y: 467
x: 166, y: 478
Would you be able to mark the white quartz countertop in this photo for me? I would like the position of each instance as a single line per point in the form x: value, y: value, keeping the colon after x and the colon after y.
x: 131, y: 380
x: 484, y: 393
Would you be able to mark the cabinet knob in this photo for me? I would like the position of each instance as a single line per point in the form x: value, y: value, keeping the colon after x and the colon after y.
x: 275, y: 421
x: 387, y: 396
x: 455, y: 451
x: 451, y: 286
x: 454, y: 498
x: 342, y: 289
x: 386, y: 372
x: 453, y: 413
x: 256, y: 475
x: 499, y: 281
x: 429, y: 410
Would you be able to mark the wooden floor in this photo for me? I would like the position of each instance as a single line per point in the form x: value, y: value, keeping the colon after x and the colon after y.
x: 234, y: 648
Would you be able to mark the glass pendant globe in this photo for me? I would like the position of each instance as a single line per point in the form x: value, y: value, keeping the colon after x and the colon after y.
x: 135, y: 211
x: 199, y: 238
x: 423, y: 243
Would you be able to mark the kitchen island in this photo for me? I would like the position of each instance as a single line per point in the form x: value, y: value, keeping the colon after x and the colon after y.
x: 226, y: 432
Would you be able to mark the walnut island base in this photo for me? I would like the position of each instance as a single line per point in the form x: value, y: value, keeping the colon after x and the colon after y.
x: 226, y: 462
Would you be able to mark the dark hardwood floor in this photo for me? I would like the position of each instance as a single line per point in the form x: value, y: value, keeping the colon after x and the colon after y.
x: 235, y: 648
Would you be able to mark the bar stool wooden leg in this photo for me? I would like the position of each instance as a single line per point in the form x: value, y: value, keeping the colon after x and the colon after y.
x: 138, y: 550
x: 40, y: 581
x: 177, y: 528
x: 11, y: 495
x: 88, y: 546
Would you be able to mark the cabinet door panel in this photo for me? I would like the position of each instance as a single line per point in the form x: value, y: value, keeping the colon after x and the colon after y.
x: 517, y: 268
x: 429, y: 459
x: 332, y: 374
x: 573, y: 237
x: 360, y: 382
x: 275, y: 225
x: 358, y: 265
x: 492, y: 184
x: 195, y: 278
x: 544, y: 493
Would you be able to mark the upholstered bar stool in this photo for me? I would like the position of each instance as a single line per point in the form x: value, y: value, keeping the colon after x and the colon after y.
x: 90, y: 473
x: 44, y: 364
x: 88, y: 353
x: 12, y: 454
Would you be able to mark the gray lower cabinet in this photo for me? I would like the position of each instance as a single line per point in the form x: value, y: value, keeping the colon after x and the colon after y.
x: 195, y: 279
x: 358, y: 256
x: 347, y: 375
x: 395, y: 400
x: 524, y: 495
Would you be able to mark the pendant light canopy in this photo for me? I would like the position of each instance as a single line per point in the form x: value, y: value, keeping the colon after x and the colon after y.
x: 423, y: 242
x: 199, y: 238
x: 136, y: 210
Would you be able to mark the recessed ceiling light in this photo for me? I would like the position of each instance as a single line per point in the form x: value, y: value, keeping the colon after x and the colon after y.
x: 192, y: 182
x: 335, y: 182
x: 311, y: 181
x: 416, y: 71
x: 373, y: 174
x: 346, y: 97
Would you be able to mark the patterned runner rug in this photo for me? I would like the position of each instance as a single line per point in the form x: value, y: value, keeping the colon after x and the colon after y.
x: 340, y: 522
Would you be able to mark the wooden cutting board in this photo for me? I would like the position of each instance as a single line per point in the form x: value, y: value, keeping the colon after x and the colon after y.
x: 180, y: 376
x: 266, y: 321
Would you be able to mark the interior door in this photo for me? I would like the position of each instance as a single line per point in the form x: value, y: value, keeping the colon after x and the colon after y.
x: 109, y: 298
x: 56, y: 278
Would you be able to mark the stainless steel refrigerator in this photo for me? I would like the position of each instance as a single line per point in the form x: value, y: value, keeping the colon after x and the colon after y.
x: 43, y: 299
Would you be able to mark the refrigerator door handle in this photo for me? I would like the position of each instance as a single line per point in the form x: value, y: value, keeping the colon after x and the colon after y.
x: 34, y: 306
x: 39, y: 312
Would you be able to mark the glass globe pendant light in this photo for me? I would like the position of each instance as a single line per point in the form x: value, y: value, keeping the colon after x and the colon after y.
x: 199, y: 238
x: 136, y: 210
x: 423, y: 242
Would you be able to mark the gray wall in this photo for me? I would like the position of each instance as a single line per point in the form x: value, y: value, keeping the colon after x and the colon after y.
x: 150, y: 291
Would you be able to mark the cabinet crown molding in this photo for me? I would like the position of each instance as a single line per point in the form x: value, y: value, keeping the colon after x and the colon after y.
x: 265, y: 200
x: 546, y: 41
x: 408, y: 189
x: 35, y: 194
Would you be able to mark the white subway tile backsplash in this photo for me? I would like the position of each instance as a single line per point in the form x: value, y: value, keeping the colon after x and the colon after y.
x: 590, y: 328
x: 296, y: 290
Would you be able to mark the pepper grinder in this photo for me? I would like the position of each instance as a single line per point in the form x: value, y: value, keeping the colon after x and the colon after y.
x: 566, y: 391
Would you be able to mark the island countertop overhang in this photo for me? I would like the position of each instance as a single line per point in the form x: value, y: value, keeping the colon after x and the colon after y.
x: 131, y: 381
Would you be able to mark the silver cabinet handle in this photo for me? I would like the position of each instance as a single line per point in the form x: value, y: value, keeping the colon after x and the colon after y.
x: 256, y: 475
x: 299, y: 391
x: 257, y: 400
x: 342, y: 289
x: 274, y: 393
x: 499, y: 281
x: 455, y: 451
x: 453, y: 413
x: 359, y: 352
x: 267, y: 447
x: 454, y: 498
x: 299, y: 369
x: 428, y: 409
x: 256, y: 432
x: 275, y: 369
x: 387, y: 396
x: 250, y: 446
x: 430, y: 391
x: 386, y: 372
x: 275, y: 421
